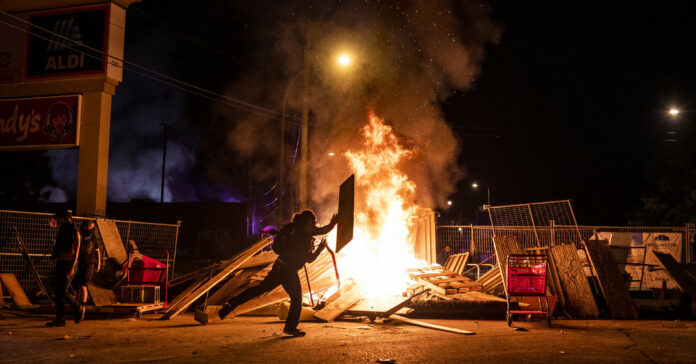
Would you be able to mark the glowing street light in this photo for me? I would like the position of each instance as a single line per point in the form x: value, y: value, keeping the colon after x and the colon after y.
x: 673, y: 112
x: 449, y: 202
x: 344, y: 60
x: 475, y: 186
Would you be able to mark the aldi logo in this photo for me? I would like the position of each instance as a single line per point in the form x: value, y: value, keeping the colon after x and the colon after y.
x: 68, y: 42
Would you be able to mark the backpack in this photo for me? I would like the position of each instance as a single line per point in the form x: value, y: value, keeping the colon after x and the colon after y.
x: 281, y: 242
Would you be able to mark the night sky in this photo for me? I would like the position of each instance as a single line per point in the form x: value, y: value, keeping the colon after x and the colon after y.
x: 563, y: 100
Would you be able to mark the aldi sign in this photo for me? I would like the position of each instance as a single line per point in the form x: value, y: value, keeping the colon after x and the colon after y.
x: 73, y: 41
x: 40, y: 123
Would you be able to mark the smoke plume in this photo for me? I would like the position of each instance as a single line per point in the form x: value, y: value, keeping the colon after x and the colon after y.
x: 408, y: 58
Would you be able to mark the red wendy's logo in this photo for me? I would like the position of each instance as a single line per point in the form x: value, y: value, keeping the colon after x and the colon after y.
x: 59, y: 122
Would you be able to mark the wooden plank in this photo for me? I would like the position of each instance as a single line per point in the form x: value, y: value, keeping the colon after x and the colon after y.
x: 450, y: 280
x: 349, y: 296
x: 553, y: 283
x: 15, y: 289
x: 429, y: 325
x: 505, y: 246
x: 477, y: 297
x: 186, y: 292
x: 262, y: 259
x: 112, y: 240
x: 685, y: 283
x: 610, y: 280
x: 580, y: 301
x: 241, y: 258
x: 233, y: 287
x: 444, y: 273
x: 101, y: 296
x: 432, y: 287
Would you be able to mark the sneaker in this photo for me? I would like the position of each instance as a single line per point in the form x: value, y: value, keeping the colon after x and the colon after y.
x: 56, y: 323
x: 294, y: 332
x: 80, y: 314
x: 225, y: 310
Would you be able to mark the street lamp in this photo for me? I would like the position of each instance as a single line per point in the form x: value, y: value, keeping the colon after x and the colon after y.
x: 488, y: 191
x: 344, y: 60
x: 674, y: 112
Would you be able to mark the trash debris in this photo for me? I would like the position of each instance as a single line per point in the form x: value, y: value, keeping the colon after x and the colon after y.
x: 365, y: 327
x: 386, y: 361
x: 519, y: 329
x: 333, y: 327
x: 563, y: 332
x: 68, y: 337
x: 563, y: 353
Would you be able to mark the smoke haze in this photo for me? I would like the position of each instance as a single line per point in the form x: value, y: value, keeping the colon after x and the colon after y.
x: 407, y: 59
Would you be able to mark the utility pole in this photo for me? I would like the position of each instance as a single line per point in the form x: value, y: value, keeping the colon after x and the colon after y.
x: 304, y: 137
x: 164, y: 161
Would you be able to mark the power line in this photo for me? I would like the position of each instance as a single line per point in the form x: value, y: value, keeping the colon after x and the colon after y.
x: 168, y: 80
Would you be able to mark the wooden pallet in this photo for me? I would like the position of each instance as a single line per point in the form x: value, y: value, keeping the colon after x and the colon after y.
x: 457, y: 262
x: 442, y: 281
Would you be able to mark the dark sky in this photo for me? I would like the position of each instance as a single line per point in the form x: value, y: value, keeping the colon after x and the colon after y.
x: 572, y: 102
x: 569, y: 104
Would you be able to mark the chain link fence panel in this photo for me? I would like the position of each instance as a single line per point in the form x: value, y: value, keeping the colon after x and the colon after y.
x: 154, y: 240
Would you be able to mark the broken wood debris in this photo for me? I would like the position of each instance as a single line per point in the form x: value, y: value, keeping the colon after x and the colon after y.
x: 430, y: 326
x: 237, y: 261
x: 611, y: 282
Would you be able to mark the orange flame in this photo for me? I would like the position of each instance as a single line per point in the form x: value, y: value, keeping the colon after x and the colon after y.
x: 382, y: 250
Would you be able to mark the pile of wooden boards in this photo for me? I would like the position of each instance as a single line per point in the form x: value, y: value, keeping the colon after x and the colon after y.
x: 567, y: 280
x: 441, y: 282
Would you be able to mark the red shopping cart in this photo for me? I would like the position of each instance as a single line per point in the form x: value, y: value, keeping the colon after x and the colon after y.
x: 526, y: 276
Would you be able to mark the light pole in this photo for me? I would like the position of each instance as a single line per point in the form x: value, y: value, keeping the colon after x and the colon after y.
x: 281, y: 179
x: 488, y: 191
x: 344, y: 60
x: 164, y: 161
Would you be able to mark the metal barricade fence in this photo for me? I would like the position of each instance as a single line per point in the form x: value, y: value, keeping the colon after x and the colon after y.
x: 38, y: 238
x: 152, y: 239
x: 478, y: 240
x: 33, y: 228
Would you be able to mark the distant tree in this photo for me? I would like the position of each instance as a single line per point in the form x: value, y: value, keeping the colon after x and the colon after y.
x: 672, y: 200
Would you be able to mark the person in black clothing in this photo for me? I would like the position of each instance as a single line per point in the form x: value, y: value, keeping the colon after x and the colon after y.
x: 88, y: 262
x: 65, y: 253
x: 296, y: 250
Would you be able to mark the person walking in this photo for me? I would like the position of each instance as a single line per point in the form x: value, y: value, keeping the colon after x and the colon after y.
x: 88, y: 262
x: 294, y: 245
x: 65, y: 253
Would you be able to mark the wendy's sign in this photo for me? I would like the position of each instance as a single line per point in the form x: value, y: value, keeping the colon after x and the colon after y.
x: 40, y: 123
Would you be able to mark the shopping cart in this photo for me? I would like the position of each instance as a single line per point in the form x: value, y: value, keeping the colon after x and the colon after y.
x: 526, y: 276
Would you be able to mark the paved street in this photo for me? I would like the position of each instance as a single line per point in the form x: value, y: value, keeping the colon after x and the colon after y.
x: 23, y: 338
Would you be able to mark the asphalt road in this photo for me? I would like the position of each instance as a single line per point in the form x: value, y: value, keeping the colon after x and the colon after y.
x: 24, y: 339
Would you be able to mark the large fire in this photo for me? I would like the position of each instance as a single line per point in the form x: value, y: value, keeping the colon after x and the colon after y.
x: 382, y: 250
